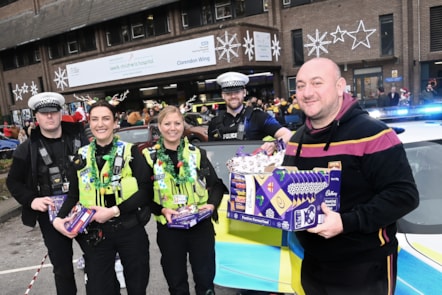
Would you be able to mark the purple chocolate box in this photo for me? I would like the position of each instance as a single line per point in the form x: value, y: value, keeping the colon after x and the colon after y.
x: 284, y: 198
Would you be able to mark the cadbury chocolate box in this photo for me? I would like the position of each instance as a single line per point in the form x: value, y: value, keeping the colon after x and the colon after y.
x: 284, y: 198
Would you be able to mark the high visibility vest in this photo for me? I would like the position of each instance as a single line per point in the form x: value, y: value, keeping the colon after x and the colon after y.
x: 166, y: 192
x: 123, y: 185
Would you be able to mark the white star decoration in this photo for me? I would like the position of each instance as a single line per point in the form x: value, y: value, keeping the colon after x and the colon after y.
x: 361, y: 38
x: 60, y: 79
x: 338, y: 35
x: 34, y: 88
x: 18, y: 93
x: 228, y: 46
x: 25, y: 88
x: 276, y: 49
x: 317, y: 43
x: 249, y: 46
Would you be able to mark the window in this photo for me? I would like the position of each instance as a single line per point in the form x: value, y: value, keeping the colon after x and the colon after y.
x: 72, y: 47
x: 6, y: 2
x: 436, y: 28
x: 387, y: 36
x: 291, y: 3
x: 298, y: 47
x: 184, y: 19
x: 137, y: 31
x: 222, y: 9
x: 291, y: 85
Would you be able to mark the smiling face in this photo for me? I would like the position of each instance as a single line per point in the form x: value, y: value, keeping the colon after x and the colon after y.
x: 102, y: 123
x: 171, y: 125
x: 234, y: 100
x: 319, y: 91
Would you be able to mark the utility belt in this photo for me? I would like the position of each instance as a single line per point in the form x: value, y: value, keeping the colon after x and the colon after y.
x: 96, y: 232
x: 117, y: 223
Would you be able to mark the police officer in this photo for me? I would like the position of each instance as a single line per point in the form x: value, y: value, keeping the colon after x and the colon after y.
x: 239, y: 122
x: 111, y: 177
x: 48, y: 152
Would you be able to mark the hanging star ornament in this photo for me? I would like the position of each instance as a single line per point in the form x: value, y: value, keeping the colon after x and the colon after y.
x: 61, y: 78
x: 249, y: 46
x: 228, y: 47
x: 338, y: 35
x: 276, y: 49
x: 361, y: 35
x: 317, y: 43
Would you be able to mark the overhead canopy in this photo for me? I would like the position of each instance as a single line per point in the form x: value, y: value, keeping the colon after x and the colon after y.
x: 64, y: 16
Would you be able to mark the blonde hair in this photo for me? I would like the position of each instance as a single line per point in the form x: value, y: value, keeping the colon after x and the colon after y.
x: 169, y: 110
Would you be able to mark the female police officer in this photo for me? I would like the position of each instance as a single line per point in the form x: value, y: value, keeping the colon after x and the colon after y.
x: 113, y: 179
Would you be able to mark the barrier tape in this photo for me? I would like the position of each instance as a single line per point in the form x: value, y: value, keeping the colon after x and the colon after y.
x: 36, y: 274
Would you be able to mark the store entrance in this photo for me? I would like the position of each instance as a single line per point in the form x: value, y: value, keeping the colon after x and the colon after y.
x: 366, y: 84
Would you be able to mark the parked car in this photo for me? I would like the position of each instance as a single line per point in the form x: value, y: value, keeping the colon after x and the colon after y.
x: 7, y: 147
x: 256, y: 257
x: 147, y: 135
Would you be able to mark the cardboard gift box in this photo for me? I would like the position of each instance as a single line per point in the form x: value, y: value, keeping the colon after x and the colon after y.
x: 284, y: 198
x: 188, y: 217
x: 82, y: 216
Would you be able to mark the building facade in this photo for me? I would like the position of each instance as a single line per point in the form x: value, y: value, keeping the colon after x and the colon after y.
x: 172, y: 50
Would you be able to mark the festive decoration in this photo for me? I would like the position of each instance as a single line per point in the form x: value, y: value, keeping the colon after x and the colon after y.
x: 164, y: 159
x: 110, y: 158
x: 114, y: 100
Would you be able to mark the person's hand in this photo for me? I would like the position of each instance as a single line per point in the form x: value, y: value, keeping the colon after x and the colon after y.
x: 167, y: 212
x: 332, y: 225
x: 59, y: 225
x: 41, y: 204
x: 269, y: 147
x: 210, y: 207
x: 102, y: 214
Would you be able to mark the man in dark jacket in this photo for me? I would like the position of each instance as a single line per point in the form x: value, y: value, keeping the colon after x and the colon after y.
x: 48, y: 152
x: 354, y: 251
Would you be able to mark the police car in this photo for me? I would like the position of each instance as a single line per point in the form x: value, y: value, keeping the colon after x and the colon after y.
x: 254, y: 257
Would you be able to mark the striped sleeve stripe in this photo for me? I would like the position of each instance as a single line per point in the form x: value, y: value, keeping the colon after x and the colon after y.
x: 359, y: 147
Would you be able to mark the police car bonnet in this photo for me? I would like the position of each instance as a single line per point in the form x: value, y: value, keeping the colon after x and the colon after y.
x: 232, y: 81
x: 46, y: 102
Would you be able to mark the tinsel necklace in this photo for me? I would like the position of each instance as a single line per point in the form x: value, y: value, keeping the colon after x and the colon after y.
x: 110, y: 158
x: 165, y: 161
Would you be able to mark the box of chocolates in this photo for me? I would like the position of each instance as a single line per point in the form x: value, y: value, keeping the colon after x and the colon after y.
x: 285, y: 197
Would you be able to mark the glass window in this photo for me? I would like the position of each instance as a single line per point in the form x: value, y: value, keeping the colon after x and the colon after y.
x: 436, y: 28
x: 387, y: 36
x: 222, y: 9
x: 298, y: 47
x: 137, y: 31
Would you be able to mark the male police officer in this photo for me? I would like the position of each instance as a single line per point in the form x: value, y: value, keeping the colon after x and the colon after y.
x: 238, y: 121
x: 49, y: 151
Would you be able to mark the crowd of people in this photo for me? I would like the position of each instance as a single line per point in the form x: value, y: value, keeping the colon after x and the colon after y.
x: 354, y: 251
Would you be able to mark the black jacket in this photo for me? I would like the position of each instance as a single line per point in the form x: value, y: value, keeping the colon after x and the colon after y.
x: 377, y: 185
x: 22, y: 180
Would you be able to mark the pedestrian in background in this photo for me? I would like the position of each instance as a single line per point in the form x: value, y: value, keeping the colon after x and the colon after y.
x: 39, y: 170
x: 184, y: 177
x: 354, y: 251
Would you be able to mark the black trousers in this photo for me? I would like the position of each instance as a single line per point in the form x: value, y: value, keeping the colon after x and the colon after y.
x: 199, y: 243
x: 375, y: 276
x: 60, y: 253
x: 132, y: 246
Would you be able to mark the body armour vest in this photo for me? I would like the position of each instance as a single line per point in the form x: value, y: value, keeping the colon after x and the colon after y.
x: 123, y: 185
x: 170, y: 195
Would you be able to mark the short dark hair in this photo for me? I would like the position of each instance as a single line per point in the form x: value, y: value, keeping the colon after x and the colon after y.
x: 381, y: 89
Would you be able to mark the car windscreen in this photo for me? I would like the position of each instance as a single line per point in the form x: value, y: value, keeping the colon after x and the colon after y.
x: 426, y: 162
x: 134, y: 135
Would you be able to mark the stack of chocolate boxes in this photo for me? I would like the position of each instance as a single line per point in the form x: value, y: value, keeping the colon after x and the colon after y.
x: 285, y: 197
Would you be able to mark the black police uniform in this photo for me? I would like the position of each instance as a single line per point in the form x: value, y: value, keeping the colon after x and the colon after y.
x: 249, y: 124
x: 49, y: 159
